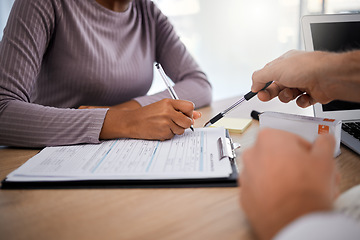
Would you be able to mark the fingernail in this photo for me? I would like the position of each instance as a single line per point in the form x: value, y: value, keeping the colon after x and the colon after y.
x: 304, y: 103
x: 286, y: 94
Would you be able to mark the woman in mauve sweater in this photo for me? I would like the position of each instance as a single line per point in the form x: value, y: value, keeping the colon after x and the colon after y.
x: 78, y: 72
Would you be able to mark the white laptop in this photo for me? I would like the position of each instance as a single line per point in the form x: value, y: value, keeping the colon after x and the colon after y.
x: 336, y: 33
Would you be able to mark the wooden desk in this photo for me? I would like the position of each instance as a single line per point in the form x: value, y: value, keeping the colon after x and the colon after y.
x: 200, y: 213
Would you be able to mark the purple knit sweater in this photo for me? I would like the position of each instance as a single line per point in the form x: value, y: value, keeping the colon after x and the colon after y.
x: 56, y: 55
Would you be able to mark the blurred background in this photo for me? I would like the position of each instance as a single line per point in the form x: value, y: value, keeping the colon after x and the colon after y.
x: 230, y: 39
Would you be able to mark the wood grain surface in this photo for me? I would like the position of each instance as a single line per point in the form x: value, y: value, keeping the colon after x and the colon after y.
x: 173, y: 213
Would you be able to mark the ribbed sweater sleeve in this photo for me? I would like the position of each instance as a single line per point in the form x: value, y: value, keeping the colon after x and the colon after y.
x: 57, y: 55
x: 22, y: 123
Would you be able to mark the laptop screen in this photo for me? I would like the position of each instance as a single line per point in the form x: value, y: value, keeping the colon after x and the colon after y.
x: 336, y: 37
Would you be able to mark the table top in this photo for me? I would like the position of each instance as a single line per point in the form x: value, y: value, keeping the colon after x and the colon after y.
x: 172, y: 213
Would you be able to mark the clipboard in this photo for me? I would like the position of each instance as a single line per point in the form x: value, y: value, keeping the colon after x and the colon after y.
x: 230, y: 181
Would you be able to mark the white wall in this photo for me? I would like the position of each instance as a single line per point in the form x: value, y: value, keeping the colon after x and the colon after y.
x: 5, y: 7
x: 230, y: 39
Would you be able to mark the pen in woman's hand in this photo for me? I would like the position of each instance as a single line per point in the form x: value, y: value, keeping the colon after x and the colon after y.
x: 168, y: 85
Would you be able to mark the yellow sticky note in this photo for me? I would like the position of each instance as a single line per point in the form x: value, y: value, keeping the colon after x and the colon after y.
x: 235, y: 125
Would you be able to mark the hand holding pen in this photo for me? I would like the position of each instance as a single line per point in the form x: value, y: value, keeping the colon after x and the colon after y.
x: 160, y: 120
x: 246, y: 97
x: 168, y: 85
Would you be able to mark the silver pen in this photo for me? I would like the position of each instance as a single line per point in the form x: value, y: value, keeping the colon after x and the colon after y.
x: 168, y: 85
x: 246, y: 97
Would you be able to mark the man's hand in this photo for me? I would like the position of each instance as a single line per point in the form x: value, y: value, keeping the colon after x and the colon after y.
x: 285, y: 177
x: 157, y: 121
x: 297, y: 75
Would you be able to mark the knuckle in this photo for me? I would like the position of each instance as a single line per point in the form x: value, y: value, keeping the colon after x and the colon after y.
x: 166, y: 135
x: 253, y: 76
x: 166, y: 112
x: 167, y: 101
x: 189, y: 105
x: 169, y: 135
x: 188, y: 121
x: 185, y: 122
x: 164, y: 123
x: 284, y: 99
x: 180, y: 131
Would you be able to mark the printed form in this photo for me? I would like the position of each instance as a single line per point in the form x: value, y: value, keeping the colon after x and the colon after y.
x: 191, y: 155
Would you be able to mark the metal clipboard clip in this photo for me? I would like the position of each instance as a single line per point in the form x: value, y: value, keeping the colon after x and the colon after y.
x: 227, y: 148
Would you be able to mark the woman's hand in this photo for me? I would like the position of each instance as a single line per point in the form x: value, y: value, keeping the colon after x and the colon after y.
x: 160, y: 120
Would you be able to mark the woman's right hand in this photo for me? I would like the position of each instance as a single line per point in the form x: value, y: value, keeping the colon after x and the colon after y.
x: 157, y: 121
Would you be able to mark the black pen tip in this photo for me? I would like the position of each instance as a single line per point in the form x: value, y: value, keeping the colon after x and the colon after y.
x: 207, y: 124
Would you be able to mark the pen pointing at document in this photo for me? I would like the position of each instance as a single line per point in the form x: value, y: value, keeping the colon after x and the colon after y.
x: 168, y: 85
x: 246, y: 97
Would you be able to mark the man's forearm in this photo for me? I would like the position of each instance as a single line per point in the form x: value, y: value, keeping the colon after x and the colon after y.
x: 342, y: 72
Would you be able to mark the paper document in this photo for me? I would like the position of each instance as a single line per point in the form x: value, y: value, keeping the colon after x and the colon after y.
x: 191, y: 155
